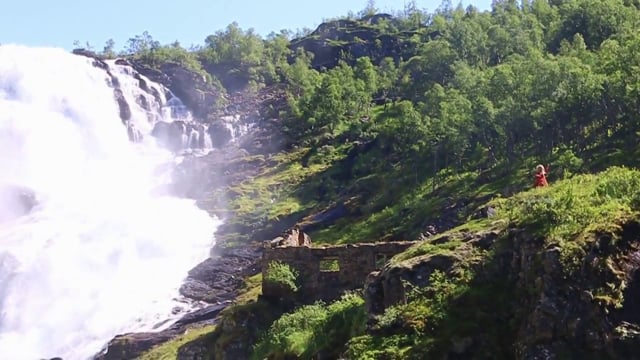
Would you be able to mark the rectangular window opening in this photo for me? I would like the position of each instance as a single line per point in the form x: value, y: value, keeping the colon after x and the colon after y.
x: 381, y: 259
x: 329, y: 265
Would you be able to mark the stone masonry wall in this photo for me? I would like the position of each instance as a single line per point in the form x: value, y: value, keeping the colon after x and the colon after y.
x: 326, y: 272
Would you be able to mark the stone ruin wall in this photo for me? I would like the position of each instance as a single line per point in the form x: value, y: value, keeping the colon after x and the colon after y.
x: 324, y: 273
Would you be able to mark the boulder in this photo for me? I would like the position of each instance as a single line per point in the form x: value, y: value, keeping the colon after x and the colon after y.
x: 291, y: 237
x: 170, y: 134
x: 349, y: 40
x: 220, y: 134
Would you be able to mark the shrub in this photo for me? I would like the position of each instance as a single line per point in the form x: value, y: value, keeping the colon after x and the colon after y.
x: 312, y: 329
x: 282, y: 274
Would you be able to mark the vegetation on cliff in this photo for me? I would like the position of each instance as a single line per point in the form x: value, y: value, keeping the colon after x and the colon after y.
x: 410, y: 139
x: 579, y: 231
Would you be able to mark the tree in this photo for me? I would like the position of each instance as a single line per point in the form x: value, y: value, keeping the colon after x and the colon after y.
x: 141, y: 44
x: 108, y: 49
x: 369, y: 10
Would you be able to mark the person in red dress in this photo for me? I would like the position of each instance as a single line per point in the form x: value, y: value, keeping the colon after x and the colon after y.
x: 541, y: 176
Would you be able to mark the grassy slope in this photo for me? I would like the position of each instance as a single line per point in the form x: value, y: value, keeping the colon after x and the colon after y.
x: 571, y: 215
x: 567, y: 214
x: 383, y: 204
x: 169, y: 350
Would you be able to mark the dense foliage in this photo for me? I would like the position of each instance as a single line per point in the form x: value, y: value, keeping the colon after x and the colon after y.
x: 528, y: 78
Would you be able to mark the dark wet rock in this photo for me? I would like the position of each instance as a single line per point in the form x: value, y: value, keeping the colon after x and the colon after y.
x: 199, y: 316
x: 170, y: 134
x: 123, y: 106
x: 195, y: 91
x: 98, y: 61
x: 220, y: 134
x: 331, y: 41
x: 218, y: 278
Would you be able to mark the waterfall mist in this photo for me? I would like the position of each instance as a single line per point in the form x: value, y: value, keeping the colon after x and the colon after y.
x: 103, y: 251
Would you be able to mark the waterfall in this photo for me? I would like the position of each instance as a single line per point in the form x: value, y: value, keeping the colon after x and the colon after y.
x: 102, y: 251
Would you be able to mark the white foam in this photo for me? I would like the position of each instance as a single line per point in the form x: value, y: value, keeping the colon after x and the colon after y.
x: 101, y: 254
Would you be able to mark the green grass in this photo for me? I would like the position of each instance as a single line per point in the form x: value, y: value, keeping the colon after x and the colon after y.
x: 251, y: 290
x: 571, y: 212
x: 312, y: 329
x: 274, y: 192
x: 169, y: 349
x: 267, y: 194
x: 399, y: 209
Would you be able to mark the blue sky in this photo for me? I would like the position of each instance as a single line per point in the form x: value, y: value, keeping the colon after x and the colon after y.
x: 60, y: 22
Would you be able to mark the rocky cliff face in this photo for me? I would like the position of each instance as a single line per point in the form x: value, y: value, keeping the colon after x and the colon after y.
x: 549, y: 309
x: 199, y: 95
x: 185, y: 91
x: 349, y: 40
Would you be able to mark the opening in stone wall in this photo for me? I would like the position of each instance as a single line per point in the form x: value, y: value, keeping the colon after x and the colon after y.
x: 381, y: 259
x: 329, y: 265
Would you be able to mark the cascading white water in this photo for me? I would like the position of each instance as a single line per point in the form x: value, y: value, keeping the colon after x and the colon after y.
x: 102, y: 253
x: 141, y: 117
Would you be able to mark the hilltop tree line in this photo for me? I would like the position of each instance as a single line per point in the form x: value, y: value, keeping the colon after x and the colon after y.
x: 553, y: 79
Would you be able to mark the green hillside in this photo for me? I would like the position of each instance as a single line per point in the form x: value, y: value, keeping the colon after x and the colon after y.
x: 406, y: 128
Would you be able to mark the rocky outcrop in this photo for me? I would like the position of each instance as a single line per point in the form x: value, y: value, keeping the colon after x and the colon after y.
x: 193, y: 88
x: 98, y: 61
x: 591, y: 311
x: 170, y: 134
x: 218, y: 278
x: 584, y: 309
x: 220, y: 133
x: 349, y: 40
x: 291, y: 237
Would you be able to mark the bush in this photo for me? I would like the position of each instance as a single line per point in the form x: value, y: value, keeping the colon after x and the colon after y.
x: 282, y: 274
x: 315, y: 328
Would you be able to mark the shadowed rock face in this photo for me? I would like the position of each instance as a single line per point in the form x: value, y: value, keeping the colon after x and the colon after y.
x: 192, y: 88
x: 552, y: 312
x: 170, y: 134
x: 15, y: 201
x: 331, y: 40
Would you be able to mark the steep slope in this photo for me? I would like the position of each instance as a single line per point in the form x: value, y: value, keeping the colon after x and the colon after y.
x: 552, y: 274
x: 464, y: 113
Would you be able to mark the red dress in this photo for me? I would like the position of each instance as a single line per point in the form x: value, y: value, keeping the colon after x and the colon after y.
x: 541, y: 180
